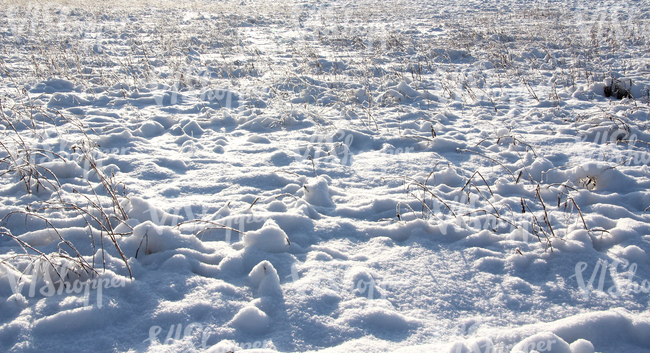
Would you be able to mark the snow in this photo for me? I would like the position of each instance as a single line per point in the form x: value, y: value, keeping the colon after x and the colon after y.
x: 251, y: 319
x: 582, y: 346
x: 543, y: 342
x: 317, y: 192
x: 325, y: 176
x: 270, y: 238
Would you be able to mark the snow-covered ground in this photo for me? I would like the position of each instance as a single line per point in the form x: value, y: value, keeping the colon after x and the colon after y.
x: 353, y: 176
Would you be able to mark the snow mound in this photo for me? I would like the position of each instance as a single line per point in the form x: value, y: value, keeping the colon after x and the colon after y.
x: 539, y: 167
x: 448, y: 177
x: 152, y: 238
x: 601, y: 177
x: 177, y: 263
x: 378, y: 318
x: 151, y: 128
x: 142, y: 210
x: 582, y: 346
x: 444, y: 144
x: 65, y: 100
x: 53, y: 85
x: 62, y: 169
x: 251, y: 320
x: 270, y: 238
x: 258, y: 139
x: 634, y: 253
x: 266, y: 279
x: 444, y: 231
x: 407, y: 91
x: 193, y: 129
x: 599, y: 328
x: 317, y: 193
x: 391, y: 93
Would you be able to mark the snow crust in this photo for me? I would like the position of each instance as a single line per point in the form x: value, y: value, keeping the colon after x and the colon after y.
x: 324, y: 176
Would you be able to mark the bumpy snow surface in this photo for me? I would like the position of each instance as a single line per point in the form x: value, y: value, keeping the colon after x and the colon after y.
x: 353, y: 176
